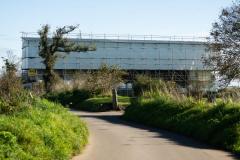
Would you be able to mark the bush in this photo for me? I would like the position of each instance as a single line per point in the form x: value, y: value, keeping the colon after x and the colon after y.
x: 16, y: 102
x: 71, y: 99
x: 144, y: 85
x: 102, y: 82
x: 44, y: 131
x: 217, y: 124
x: 12, y: 95
x: 229, y: 93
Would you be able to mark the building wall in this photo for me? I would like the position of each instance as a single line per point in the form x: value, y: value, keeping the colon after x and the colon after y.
x: 127, y: 54
x: 180, y: 61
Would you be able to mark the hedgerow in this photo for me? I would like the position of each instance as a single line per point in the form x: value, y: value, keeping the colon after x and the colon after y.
x: 217, y: 124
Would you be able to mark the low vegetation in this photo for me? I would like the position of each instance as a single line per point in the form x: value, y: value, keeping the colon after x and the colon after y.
x: 215, y: 123
x: 91, y: 91
x: 34, y: 128
x: 44, y: 130
x: 100, y: 104
x: 69, y: 98
x: 102, y: 82
x: 83, y: 100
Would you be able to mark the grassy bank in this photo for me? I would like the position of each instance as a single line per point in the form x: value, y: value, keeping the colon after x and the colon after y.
x: 44, y: 130
x: 217, y: 124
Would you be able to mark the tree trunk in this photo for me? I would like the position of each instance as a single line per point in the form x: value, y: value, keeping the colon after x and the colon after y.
x: 48, y: 78
x: 114, y: 99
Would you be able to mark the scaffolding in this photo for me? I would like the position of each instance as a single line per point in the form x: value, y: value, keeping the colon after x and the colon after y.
x: 181, y: 73
x: 127, y: 37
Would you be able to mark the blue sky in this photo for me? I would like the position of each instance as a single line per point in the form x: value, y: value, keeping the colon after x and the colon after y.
x: 160, y: 17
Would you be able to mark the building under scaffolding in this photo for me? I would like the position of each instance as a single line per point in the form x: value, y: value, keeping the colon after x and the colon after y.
x: 170, y: 58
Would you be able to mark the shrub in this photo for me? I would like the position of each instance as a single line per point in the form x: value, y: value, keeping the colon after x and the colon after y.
x: 217, y: 124
x: 145, y: 86
x: 44, y: 131
x: 229, y: 93
x: 69, y: 98
x: 102, y: 82
x: 12, y: 95
x: 17, y: 102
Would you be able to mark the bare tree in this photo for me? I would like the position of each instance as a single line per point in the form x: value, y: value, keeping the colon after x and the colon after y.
x: 105, y: 81
x: 11, y: 63
x: 49, y: 47
x: 225, y: 45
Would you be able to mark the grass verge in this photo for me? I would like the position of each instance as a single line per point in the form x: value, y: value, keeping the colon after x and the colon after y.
x: 43, y: 131
x: 217, y: 124
x: 101, y: 104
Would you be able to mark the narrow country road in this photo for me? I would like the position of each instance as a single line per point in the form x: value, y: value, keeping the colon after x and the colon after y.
x: 112, y: 138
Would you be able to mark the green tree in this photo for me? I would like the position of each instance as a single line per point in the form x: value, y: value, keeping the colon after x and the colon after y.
x: 50, y: 47
x: 225, y: 45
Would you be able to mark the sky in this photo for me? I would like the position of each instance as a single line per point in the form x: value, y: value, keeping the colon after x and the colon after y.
x: 138, y: 17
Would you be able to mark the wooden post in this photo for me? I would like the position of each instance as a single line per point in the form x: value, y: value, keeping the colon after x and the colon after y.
x: 114, y: 99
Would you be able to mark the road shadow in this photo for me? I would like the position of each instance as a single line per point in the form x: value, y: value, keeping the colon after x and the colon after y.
x: 158, y: 133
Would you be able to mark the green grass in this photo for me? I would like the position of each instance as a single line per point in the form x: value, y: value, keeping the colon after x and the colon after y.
x: 43, y: 131
x: 97, y: 104
x: 217, y: 124
x: 83, y: 100
x: 122, y: 100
